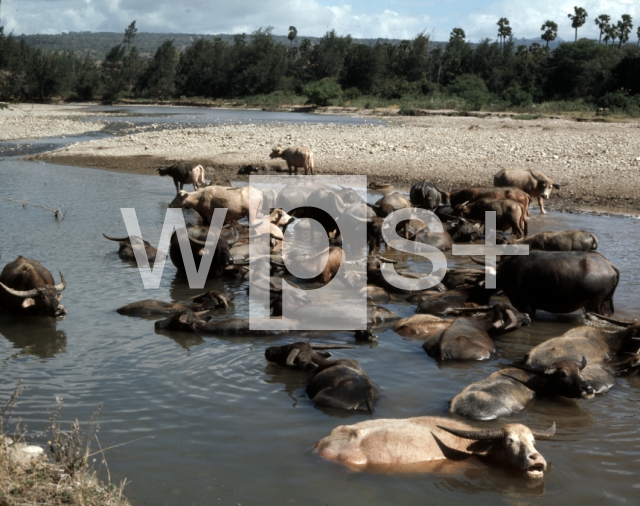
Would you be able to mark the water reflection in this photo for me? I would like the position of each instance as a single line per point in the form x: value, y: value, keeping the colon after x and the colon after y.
x: 36, y: 336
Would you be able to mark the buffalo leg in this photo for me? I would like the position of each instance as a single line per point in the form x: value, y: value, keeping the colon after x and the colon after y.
x: 542, y: 211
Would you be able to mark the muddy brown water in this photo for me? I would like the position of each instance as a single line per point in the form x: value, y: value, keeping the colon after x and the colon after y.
x: 220, y: 424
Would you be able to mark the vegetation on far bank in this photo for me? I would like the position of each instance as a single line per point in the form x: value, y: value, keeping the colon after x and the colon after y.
x: 583, y: 77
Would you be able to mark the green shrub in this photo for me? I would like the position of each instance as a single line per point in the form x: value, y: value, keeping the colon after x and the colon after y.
x: 322, y: 92
x: 472, y: 89
x: 620, y: 102
x: 516, y: 96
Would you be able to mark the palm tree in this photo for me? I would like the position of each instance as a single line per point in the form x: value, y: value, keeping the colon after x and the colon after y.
x: 624, y: 27
x: 504, y: 30
x: 457, y: 34
x: 293, y: 33
x: 603, y: 22
x: 578, y: 18
x: 611, y: 34
x: 549, y: 32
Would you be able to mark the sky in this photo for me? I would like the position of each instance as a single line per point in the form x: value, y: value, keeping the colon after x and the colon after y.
x: 396, y: 19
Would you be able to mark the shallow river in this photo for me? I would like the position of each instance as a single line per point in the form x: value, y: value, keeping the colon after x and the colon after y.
x: 222, y: 425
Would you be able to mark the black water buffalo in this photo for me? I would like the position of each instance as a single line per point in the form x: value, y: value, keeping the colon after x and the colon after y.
x: 466, y: 338
x: 510, y: 390
x: 558, y: 282
x: 427, y: 195
x: 184, y: 173
x: 188, y: 321
x: 596, y: 344
x: 221, y: 257
x: 533, y: 182
x: 336, y: 383
x: 125, y: 250
x: 27, y: 287
x: 566, y: 240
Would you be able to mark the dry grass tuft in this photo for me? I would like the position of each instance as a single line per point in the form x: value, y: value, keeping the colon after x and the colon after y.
x: 64, y: 477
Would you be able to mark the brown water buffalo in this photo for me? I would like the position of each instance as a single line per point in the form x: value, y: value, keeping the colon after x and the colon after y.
x: 295, y: 156
x: 558, y: 282
x: 184, y: 173
x: 534, y: 182
x: 394, y: 443
x: 27, y: 287
x: 566, y: 240
x: 321, y: 266
x: 464, y: 338
x: 237, y: 201
x: 202, y: 302
x: 336, y: 383
x: 125, y: 249
x: 440, y: 303
x: 474, y: 193
x: 509, y: 390
x: 389, y: 203
x: 509, y: 214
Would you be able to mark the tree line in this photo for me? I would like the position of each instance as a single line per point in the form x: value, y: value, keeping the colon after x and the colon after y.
x: 335, y: 69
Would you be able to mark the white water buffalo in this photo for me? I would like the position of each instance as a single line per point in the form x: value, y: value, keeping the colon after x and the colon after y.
x: 184, y: 173
x: 534, y: 182
x: 295, y: 156
x: 27, y: 287
x: 237, y: 201
x: 394, y: 443
x: 566, y: 240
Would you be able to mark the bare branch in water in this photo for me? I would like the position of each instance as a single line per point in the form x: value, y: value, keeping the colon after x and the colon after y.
x: 57, y: 213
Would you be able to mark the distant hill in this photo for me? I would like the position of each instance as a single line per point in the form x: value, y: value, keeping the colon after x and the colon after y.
x: 97, y: 44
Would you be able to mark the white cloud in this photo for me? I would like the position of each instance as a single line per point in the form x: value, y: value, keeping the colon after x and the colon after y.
x: 401, y: 19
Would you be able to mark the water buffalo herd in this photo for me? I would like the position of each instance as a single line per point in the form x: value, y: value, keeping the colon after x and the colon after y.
x: 456, y: 319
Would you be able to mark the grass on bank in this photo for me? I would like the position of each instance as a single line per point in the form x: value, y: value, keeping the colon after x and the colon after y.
x: 64, y: 476
x: 413, y: 105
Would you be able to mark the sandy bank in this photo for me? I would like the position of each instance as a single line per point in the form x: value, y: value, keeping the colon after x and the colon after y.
x: 601, y: 161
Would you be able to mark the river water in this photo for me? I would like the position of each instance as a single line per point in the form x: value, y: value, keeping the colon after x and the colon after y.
x: 221, y: 425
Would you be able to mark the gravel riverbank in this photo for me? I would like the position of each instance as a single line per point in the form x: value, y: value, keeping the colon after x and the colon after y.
x: 600, y: 161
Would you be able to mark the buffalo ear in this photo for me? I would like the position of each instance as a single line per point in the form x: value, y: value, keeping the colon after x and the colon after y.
x: 28, y: 302
x: 583, y: 363
x: 325, y: 354
x: 183, y: 318
x: 59, y: 297
x: 550, y: 369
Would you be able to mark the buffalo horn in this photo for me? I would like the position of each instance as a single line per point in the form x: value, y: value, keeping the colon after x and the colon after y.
x: 611, y: 320
x: 63, y: 283
x: 292, y: 356
x: 441, y: 191
x: 583, y: 363
x: 386, y: 260
x: 513, y: 321
x: 538, y: 178
x: 545, y: 434
x: 19, y: 293
x: 116, y: 239
x: 478, y: 435
x: 332, y: 347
